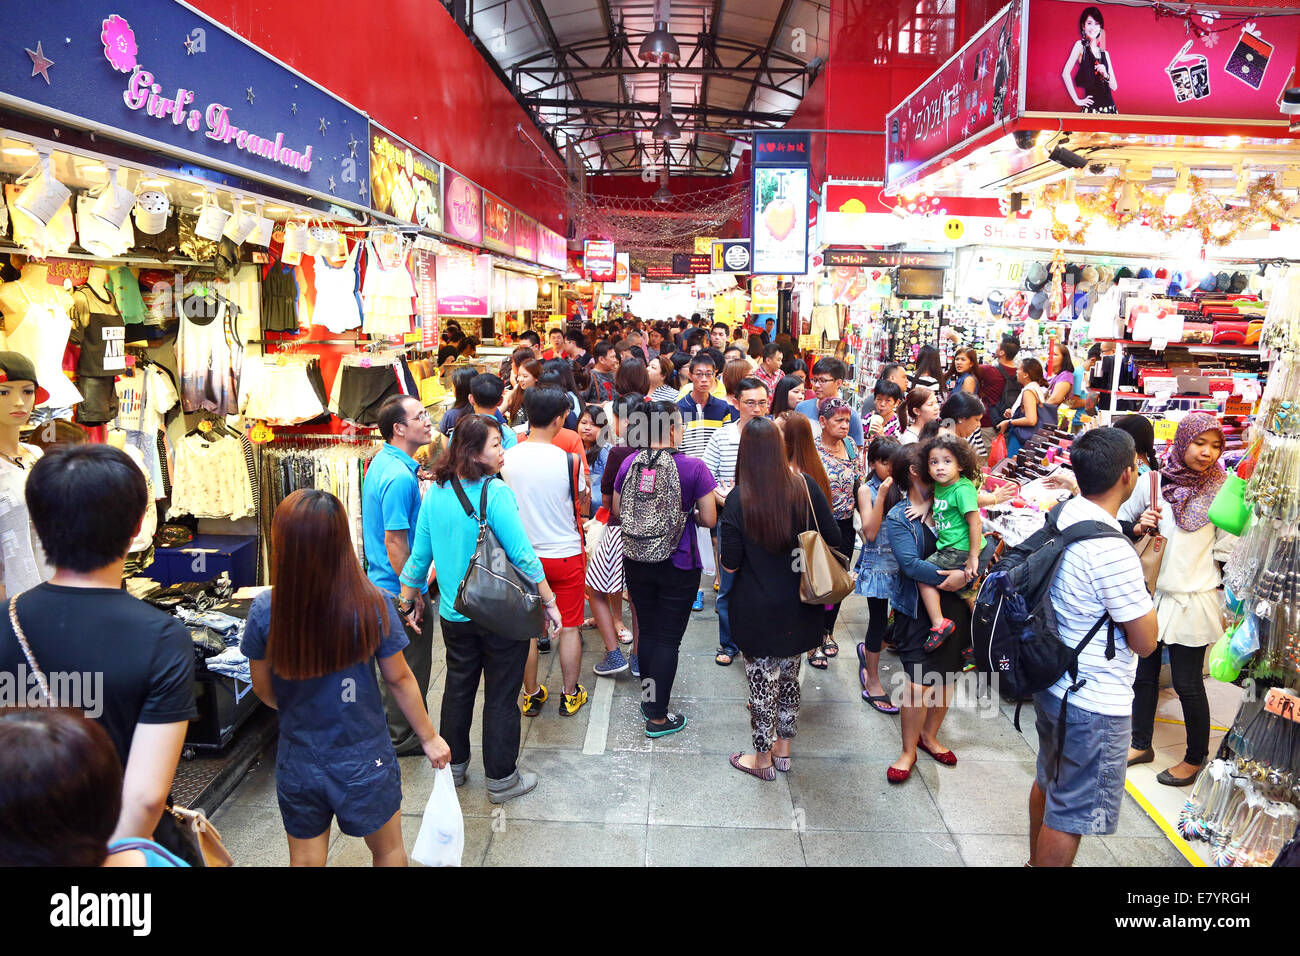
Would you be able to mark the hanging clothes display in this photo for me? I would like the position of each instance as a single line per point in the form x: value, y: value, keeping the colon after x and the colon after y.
x: 125, y: 288
x: 280, y: 300
x: 282, y: 389
x: 145, y: 395
x: 42, y: 336
x: 209, y: 353
x: 243, y: 289
x: 24, y: 561
x: 389, y: 289
x: 364, y: 382
x: 213, y: 478
x: 100, y: 333
x: 338, y: 304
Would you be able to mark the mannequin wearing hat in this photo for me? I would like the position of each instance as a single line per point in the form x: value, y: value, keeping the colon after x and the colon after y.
x: 19, y: 394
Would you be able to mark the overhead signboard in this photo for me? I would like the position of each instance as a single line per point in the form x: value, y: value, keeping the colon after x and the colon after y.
x: 686, y: 264
x: 598, y: 260
x: 464, y: 284
x: 157, y: 74
x: 622, y: 284
x: 404, y: 182
x: 660, y: 272
x: 782, y: 149
x: 886, y: 259
x: 780, y: 219
x: 498, y: 225
x: 731, y: 255
x: 525, y: 237
x: 762, y: 295
x: 552, y: 250
x: 462, y: 207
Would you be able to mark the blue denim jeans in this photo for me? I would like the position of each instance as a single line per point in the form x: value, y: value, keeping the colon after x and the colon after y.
x: 724, y: 615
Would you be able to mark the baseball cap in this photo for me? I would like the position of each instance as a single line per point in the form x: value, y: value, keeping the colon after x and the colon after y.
x: 16, y: 367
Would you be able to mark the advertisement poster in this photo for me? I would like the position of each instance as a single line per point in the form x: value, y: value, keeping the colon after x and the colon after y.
x: 598, y: 260
x: 622, y: 284
x: 972, y: 93
x: 404, y: 182
x: 762, y: 295
x: 498, y: 225
x: 1114, y: 59
x: 780, y: 220
x: 464, y: 284
x: 525, y: 237
x: 462, y: 207
x: 552, y: 250
x: 428, y: 300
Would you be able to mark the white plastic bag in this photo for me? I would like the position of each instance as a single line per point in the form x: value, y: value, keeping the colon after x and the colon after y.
x: 441, y: 840
x: 705, y: 543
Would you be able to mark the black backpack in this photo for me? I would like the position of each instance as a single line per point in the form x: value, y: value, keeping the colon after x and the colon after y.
x: 1011, y: 389
x: 1014, y: 629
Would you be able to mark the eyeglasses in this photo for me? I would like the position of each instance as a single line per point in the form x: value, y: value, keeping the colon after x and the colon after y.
x: 422, y: 417
x: 822, y: 380
x: 703, y: 373
x: 755, y: 403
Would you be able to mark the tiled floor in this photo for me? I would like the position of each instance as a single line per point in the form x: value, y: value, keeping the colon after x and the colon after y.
x: 618, y: 798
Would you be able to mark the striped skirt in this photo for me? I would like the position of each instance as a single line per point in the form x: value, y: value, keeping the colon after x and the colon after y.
x: 605, y: 569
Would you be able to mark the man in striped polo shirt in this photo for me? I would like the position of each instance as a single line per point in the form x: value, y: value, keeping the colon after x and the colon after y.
x: 720, y: 457
x: 702, y: 415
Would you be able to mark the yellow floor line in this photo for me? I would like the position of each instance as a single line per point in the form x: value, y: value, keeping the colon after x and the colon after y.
x: 1175, y: 838
x: 1170, y: 720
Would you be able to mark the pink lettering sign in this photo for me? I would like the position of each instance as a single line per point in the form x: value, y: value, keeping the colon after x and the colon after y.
x: 463, y: 208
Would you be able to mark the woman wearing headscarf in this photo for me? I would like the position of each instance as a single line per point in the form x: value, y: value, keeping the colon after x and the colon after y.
x: 1186, y: 595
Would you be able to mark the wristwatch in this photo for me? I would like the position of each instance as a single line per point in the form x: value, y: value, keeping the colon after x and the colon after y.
x: 406, y: 607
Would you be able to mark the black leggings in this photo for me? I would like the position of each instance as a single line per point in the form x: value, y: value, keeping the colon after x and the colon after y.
x: 877, y: 624
x: 1185, y: 665
x: 847, y: 541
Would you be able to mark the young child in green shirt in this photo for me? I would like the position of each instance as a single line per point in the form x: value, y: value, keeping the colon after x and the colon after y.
x: 955, y: 471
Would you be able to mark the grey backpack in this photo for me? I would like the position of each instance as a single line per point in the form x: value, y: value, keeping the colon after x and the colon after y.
x: 651, y: 506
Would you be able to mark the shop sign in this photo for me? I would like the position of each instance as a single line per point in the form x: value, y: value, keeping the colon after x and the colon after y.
x: 704, y: 245
x: 525, y: 237
x: 780, y: 220
x: 972, y: 93
x: 428, y: 299
x: 462, y: 207
x: 159, y: 75
x: 404, y: 182
x: 659, y: 272
x: 498, y: 225
x: 731, y: 255
x: 598, y: 260
x: 1231, y: 70
x: 887, y: 259
x: 552, y: 250
x: 622, y: 284
x: 464, y: 284
x: 762, y: 295
x: 782, y: 149
x: 686, y: 264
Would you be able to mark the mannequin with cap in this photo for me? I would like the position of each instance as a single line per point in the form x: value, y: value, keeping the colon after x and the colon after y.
x: 19, y: 395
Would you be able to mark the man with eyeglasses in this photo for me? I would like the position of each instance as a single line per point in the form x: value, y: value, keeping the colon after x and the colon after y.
x: 390, y: 509
x: 703, y: 413
x: 827, y: 377
x: 720, y: 457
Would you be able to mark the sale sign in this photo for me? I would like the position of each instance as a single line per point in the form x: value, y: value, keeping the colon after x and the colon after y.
x: 598, y: 260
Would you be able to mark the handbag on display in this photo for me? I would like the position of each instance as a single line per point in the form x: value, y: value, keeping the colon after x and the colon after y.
x: 186, y: 833
x: 1151, y: 547
x: 493, y: 594
x: 825, y: 577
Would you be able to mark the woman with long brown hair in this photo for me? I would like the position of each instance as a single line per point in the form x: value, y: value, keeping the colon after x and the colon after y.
x: 770, y: 624
x: 801, y: 449
x: 312, y: 642
x: 526, y: 375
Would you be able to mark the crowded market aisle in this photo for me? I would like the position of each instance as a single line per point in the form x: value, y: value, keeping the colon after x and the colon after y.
x: 609, y: 796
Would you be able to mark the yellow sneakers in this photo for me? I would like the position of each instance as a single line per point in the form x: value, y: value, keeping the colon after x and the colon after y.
x: 570, y: 704
x: 533, y: 702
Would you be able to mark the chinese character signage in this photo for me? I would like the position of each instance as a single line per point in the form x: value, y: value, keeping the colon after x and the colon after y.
x: 404, y: 182
x: 156, y: 72
x: 782, y: 149
x: 428, y: 299
x: 552, y: 250
x: 464, y: 284
x: 498, y: 225
x: 731, y: 255
x: 598, y: 260
x: 462, y: 207
x: 780, y: 220
x: 525, y: 237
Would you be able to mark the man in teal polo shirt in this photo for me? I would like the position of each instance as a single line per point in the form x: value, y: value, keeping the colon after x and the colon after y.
x: 390, y: 508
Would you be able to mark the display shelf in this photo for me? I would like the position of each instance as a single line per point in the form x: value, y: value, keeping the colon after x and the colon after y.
x: 1123, y: 394
x: 1243, y: 349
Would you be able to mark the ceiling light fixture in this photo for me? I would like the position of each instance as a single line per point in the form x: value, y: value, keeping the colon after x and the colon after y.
x: 1067, y: 210
x: 659, y: 47
x: 666, y: 127
x: 19, y: 151
x: 1179, y: 202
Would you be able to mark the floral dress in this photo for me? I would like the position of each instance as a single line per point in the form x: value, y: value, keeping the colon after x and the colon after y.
x: 842, y: 473
x: 877, y: 569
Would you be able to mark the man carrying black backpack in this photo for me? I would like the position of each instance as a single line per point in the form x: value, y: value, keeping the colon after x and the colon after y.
x: 1081, y: 766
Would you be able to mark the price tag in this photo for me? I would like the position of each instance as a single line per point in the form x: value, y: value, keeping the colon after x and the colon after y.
x: 1165, y: 430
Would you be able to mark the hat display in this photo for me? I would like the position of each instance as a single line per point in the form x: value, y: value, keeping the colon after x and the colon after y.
x: 1145, y: 273
x: 1090, y: 278
x: 1037, y: 305
x: 994, y: 300
x: 16, y: 367
x: 1162, y: 273
x: 1222, y: 281
x: 1036, y: 277
x: 1207, y: 283
x: 1176, y: 284
x: 1123, y: 272
x: 1071, y: 274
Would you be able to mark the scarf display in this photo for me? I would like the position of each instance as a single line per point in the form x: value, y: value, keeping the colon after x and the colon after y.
x: 1190, y: 492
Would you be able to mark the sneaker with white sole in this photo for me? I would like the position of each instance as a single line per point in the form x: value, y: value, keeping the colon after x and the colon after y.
x: 634, y: 666
x: 614, y: 663
x: 699, y: 601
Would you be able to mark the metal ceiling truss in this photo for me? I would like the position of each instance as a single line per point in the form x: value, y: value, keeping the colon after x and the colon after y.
x: 676, y: 158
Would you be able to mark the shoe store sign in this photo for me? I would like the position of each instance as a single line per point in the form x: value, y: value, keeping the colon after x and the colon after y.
x: 159, y: 75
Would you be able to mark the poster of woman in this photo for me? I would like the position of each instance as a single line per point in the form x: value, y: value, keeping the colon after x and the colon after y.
x: 1095, y: 73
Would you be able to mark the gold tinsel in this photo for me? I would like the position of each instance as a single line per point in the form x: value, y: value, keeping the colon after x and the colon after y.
x: 1264, y: 205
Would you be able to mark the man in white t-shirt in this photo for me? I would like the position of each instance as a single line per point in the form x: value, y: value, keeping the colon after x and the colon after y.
x: 1080, y: 782
x: 549, y: 484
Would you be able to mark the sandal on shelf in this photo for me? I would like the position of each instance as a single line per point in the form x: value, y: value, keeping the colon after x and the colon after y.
x: 817, y: 659
x: 723, y: 658
x: 762, y: 773
x: 829, y: 647
x: 880, y: 703
x: 781, y: 763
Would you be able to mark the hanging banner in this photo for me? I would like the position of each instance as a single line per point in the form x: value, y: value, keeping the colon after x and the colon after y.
x: 525, y: 237
x: 731, y: 255
x: 1137, y: 62
x: 552, y: 250
x: 762, y: 295
x: 464, y: 284
x: 498, y: 225
x: 780, y: 220
x: 686, y: 264
x: 887, y: 258
x: 156, y: 74
x: 972, y: 93
x: 704, y: 245
x: 428, y: 299
x: 598, y: 260
x: 404, y: 182
x: 782, y: 149
x: 622, y: 284
x: 462, y: 207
